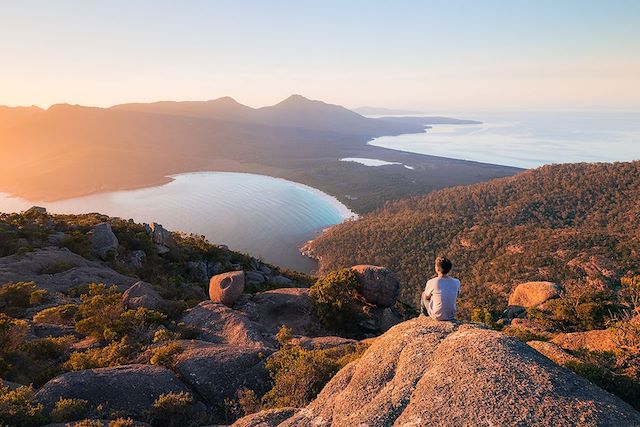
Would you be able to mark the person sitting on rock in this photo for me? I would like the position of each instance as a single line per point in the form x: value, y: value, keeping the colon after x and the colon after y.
x: 439, y: 297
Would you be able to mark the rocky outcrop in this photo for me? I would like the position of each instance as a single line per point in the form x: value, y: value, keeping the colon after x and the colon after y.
x: 103, y: 241
x: 268, y: 418
x: 378, y: 285
x: 255, y: 277
x: 159, y: 235
x: 553, y: 352
x: 28, y: 268
x: 33, y: 210
x: 142, y: 295
x: 138, y: 257
x: 424, y: 372
x: 129, y: 389
x: 218, y: 372
x: 531, y: 294
x: 219, y: 324
x: 288, y: 306
x: 596, y: 340
x: 226, y: 288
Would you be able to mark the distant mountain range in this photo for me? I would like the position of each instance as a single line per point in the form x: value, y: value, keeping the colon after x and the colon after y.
x: 71, y: 150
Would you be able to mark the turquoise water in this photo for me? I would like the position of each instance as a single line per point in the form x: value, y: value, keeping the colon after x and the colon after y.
x: 529, y: 140
x: 259, y: 215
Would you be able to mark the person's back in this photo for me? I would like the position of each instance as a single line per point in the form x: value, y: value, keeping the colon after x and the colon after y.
x: 440, y: 293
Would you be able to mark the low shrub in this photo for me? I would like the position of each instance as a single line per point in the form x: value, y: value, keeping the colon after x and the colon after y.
x: 483, y: 315
x: 114, y: 354
x: 47, y: 348
x: 66, y: 410
x: 101, y: 307
x: 524, y: 334
x: 102, y: 315
x: 625, y: 329
x: 333, y: 299
x: 298, y: 375
x: 121, y: 422
x: 12, y: 332
x: 18, y: 408
x: 17, y: 297
x: 59, y: 315
x: 173, y: 410
x: 165, y: 355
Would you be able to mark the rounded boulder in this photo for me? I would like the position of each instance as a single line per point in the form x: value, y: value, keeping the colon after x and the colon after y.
x: 226, y: 288
x: 531, y: 294
x: 378, y: 285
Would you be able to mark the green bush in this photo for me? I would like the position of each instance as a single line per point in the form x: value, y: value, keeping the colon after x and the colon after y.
x: 12, y: 332
x: 69, y: 410
x: 163, y: 334
x: 593, y: 313
x: 139, y: 324
x: 47, y: 348
x: 100, y: 309
x: 114, y: 354
x: 525, y: 335
x: 165, y: 355
x: 483, y: 315
x: 298, y: 375
x: 59, y: 315
x: 284, y: 335
x: 18, y: 408
x: 19, y: 296
x: 589, y: 311
x: 173, y: 410
x: 333, y: 299
x: 625, y: 329
x: 103, y: 316
x: 120, y: 422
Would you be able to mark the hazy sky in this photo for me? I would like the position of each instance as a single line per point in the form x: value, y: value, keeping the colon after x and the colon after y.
x: 430, y: 55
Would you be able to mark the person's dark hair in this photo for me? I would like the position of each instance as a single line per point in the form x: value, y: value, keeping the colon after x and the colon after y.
x: 443, y: 265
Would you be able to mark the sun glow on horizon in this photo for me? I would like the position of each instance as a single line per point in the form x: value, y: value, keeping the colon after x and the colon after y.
x: 429, y: 56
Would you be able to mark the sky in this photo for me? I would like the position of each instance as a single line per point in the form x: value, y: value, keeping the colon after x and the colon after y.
x: 454, y: 55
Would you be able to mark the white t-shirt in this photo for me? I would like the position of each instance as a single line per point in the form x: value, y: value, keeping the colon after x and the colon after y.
x: 443, y: 292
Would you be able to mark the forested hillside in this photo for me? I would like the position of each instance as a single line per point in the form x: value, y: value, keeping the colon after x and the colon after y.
x: 575, y: 224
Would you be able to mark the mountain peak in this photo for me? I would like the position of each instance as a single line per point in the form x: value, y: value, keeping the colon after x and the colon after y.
x: 225, y: 100
x: 297, y: 100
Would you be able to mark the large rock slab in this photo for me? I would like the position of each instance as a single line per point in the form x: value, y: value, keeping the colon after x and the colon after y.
x: 596, y: 340
x: 142, y: 294
x: 287, y: 306
x: 424, y: 372
x: 553, y: 352
x: 531, y: 294
x: 218, y: 372
x: 103, y: 240
x: 378, y: 285
x: 220, y: 324
x: 268, y: 418
x: 28, y: 267
x: 226, y: 288
x: 131, y: 389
